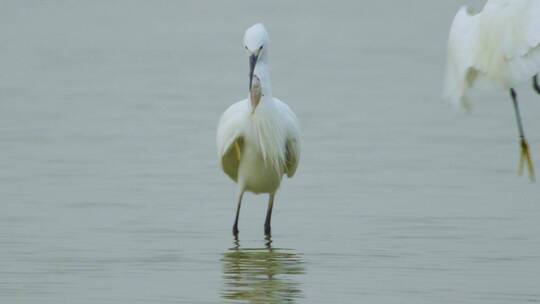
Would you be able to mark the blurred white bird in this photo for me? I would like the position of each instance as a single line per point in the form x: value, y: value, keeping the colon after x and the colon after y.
x: 501, y: 44
x: 258, y: 138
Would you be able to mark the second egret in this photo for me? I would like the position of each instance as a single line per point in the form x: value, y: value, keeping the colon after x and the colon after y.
x: 501, y: 44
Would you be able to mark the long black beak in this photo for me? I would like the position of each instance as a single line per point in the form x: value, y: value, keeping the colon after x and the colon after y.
x: 252, y: 62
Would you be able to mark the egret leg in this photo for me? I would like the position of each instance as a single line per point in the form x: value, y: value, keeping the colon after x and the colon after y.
x: 235, y: 226
x: 535, y: 84
x: 525, y: 155
x: 267, y: 228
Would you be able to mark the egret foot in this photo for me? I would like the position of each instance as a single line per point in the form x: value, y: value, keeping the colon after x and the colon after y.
x: 267, y: 230
x: 235, y: 230
x: 268, y: 241
x: 526, y: 158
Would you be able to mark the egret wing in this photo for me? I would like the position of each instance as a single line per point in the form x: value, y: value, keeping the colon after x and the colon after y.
x: 229, y: 138
x: 520, y: 27
x: 293, y: 154
x: 292, y: 144
x: 460, y: 72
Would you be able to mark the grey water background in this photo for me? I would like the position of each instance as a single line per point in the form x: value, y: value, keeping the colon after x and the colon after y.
x: 110, y: 190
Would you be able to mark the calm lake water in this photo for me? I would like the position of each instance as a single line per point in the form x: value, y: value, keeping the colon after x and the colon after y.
x: 110, y: 187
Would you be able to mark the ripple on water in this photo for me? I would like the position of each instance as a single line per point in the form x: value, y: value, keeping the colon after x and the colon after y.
x: 262, y: 275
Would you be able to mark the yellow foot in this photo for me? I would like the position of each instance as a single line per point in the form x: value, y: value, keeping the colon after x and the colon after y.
x: 526, y: 158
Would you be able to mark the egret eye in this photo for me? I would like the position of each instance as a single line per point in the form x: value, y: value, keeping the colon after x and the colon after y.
x: 261, y: 47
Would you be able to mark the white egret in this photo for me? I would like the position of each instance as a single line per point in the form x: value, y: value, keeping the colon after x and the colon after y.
x: 258, y: 138
x: 500, y: 45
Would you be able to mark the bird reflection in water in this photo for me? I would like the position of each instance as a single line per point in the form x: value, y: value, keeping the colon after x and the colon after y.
x: 262, y: 275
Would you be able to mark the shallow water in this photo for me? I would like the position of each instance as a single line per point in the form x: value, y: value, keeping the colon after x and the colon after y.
x: 266, y: 275
x: 110, y: 188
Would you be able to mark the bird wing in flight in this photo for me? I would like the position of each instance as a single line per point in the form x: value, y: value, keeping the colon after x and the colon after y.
x: 230, y: 138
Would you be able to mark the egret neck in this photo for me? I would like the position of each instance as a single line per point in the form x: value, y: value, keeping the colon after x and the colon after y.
x: 255, y: 93
x: 261, y: 88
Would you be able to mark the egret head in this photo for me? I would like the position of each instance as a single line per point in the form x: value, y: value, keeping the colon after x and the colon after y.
x: 255, y: 93
x: 256, y: 43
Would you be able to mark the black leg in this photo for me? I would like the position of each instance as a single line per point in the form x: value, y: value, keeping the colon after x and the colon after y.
x: 267, y: 227
x: 525, y: 154
x: 518, y: 115
x: 535, y: 84
x: 235, y: 226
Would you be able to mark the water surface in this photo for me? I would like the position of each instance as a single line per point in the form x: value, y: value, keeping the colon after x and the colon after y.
x: 111, y: 192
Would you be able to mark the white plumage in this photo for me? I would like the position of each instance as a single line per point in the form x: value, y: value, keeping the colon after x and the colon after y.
x: 258, y: 138
x: 500, y: 46
x: 271, y: 131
